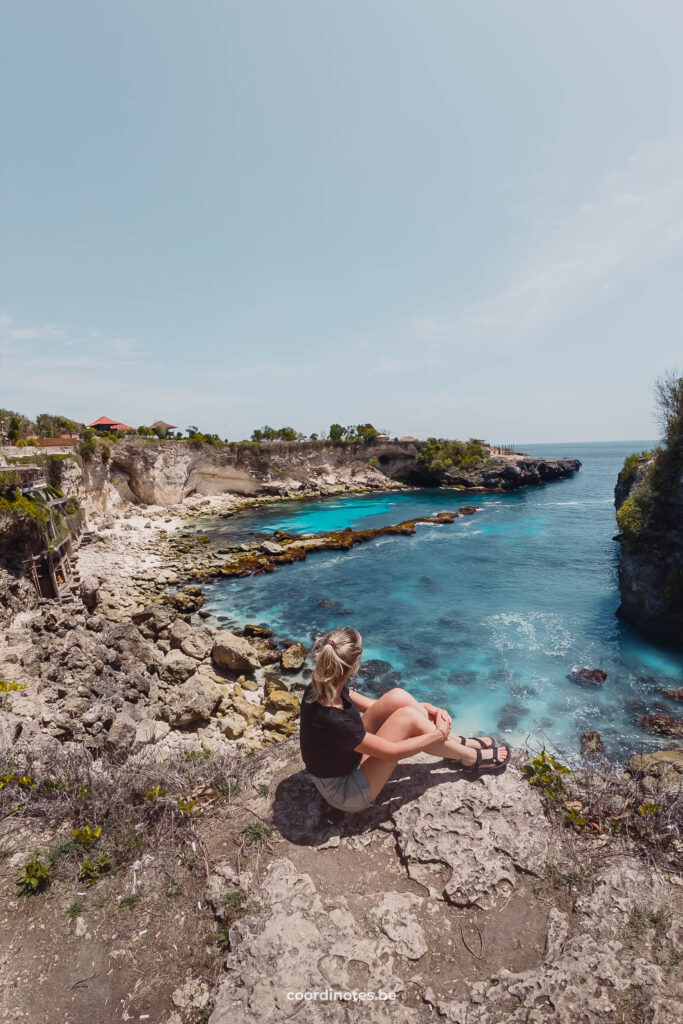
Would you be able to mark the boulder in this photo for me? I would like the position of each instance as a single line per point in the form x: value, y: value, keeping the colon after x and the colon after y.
x: 150, y: 731
x: 153, y: 619
x: 90, y: 592
x: 281, y: 723
x: 178, y: 631
x: 252, y: 630
x: 273, y: 683
x: 232, y: 725
x: 271, y: 547
x: 122, y: 732
x: 661, y: 724
x: 282, y: 700
x: 267, y: 651
x: 188, y: 600
x: 234, y: 652
x: 198, y: 643
x: 252, y: 713
x: 587, y: 676
x: 663, y: 767
x: 591, y: 743
x: 248, y: 684
x: 195, y: 701
x: 177, y: 667
x: 294, y: 657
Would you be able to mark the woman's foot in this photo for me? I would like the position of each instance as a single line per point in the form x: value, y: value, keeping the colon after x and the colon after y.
x: 476, y: 742
x: 494, y: 759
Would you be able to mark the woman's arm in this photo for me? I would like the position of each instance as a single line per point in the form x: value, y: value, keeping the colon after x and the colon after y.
x: 361, y: 702
x: 394, y: 750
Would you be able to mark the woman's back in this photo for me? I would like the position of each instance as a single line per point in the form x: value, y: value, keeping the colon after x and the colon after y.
x: 328, y: 735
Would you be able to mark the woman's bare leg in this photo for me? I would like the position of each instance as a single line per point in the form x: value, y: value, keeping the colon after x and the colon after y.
x: 409, y: 721
x: 385, y: 706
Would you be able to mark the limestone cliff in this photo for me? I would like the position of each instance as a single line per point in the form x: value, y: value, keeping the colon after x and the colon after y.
x: 649, y: 501
x: 166, y: 472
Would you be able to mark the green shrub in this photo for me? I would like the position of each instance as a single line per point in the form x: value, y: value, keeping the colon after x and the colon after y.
x: 8, y: 478
x: 93, y: 869
x: 439, y: 456
x: 87, y: 446
x: 34, y: 877
x: 631, y: 518
x: 545, y: 773
x: 21, y: 506
x: 86, y: 836
x: 75, y: 908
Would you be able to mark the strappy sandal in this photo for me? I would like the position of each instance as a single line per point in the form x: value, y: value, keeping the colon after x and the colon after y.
x: 493, y: 765
x: 479, y: 739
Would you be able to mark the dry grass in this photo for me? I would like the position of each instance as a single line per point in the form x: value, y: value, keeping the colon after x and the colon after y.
x: 601, y: 803
x: 102, y: 814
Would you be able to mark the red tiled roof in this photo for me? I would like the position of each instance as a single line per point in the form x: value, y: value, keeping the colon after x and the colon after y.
x: 160, y: 423
x: 102, y: 422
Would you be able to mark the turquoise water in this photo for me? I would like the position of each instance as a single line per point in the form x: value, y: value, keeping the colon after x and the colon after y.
x: 486, y: 616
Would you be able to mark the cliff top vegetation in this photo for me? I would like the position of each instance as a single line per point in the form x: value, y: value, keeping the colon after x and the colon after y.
x: 649, y: 482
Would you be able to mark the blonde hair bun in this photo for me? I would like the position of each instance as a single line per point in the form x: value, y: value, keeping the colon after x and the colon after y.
x: 336, y: 654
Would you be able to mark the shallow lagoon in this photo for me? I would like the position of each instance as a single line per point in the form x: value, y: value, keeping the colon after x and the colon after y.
x: 485, y: 616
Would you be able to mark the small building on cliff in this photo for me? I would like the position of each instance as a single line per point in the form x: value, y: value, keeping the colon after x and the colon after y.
x: 104, y: 425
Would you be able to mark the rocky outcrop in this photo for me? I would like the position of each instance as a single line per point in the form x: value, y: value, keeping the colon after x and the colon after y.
x: 587, y: 676
x: 435, y: 904
x: 649, y: 505
x: 84, y: 679
x: 508, y: 473
x: 166, y: 472
x: 658, y: 770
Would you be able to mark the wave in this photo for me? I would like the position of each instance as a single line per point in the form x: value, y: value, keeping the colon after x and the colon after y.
x: 529, y: 631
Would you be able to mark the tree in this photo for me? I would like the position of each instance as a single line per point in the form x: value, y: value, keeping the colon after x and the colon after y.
x: 366, y: 432
x: 14, y: 428
x: 44, y: 425
x: 669, y: 403
x: 337, y: 432
x: 191, y: 431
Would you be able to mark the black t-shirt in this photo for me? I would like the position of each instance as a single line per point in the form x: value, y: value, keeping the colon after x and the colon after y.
x: 328, y: 736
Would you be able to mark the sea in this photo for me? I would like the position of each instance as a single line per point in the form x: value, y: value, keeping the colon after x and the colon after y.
x: 487, y: 616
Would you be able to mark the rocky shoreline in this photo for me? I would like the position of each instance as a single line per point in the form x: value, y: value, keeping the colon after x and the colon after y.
x: 120, y: 674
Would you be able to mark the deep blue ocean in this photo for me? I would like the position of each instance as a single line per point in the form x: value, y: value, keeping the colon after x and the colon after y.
x: 486, y: 616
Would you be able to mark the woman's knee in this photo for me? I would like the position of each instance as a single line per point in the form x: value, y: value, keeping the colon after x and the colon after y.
x: 397, y: 697
x: 409, y: 717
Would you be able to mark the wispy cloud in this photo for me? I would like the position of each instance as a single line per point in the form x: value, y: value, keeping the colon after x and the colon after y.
x: 633, y: 220
x: 27, y: 349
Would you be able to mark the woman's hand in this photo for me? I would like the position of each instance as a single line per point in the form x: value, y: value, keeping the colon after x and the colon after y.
x: 432, y: 713
x: 442, y: 722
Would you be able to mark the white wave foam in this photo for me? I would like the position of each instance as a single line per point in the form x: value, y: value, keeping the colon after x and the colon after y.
x: 529, y: 631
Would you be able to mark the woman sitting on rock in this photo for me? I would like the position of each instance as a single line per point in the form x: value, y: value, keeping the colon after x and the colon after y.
x: 351, y: 744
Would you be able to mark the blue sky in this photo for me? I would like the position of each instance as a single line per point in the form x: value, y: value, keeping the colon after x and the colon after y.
x: 450, y: 217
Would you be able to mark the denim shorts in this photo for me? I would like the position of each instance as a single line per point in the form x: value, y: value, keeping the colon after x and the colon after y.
x: 345, y: 792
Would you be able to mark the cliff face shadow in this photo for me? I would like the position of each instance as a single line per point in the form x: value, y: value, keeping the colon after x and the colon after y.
x: 303, y: 817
